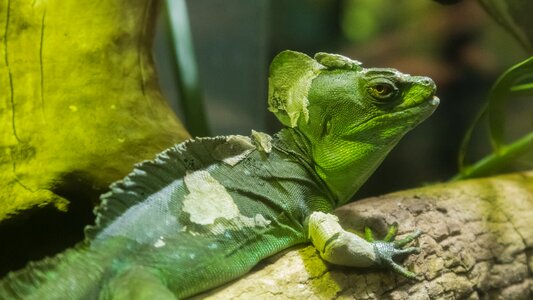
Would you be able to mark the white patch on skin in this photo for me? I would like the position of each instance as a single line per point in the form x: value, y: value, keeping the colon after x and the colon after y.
x: 235, y: 149
x: 289, y: 83
x: 258, y: 221
x: 159, y: 243
x: 208, y: 201
x: 241, y: 221
x: 262, y: 141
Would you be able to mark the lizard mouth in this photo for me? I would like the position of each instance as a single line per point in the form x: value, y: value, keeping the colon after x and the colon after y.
x: 417, y: 112
x: 432, y: 103
x: 410, y: 116
x: 423, y: 110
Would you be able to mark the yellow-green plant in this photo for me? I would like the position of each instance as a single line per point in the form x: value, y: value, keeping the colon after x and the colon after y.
x: 513, y: 15
x: 79, y: 99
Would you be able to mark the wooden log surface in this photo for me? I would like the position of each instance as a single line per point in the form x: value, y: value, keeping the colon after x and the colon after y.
x: 477, y: 244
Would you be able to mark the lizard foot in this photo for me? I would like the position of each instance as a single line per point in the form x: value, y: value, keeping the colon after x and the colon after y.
x: 388, y: 248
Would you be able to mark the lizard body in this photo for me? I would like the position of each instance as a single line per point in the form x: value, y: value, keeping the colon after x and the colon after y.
x: 207, y: 210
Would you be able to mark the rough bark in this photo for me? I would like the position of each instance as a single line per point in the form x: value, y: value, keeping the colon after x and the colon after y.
x: 477, y: 244
x: 79, y: 105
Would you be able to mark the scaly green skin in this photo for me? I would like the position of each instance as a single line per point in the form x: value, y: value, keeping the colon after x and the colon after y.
x: 207, y: 210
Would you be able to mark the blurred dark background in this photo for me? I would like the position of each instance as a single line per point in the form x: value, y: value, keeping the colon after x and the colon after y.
x: 459, y: 46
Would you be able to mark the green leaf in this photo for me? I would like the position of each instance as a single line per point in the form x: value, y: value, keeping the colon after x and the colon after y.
x: 518, y: 77
x: 517, y: 80
x: 515, y: 17
x: 186, y: 68
x: 519, y: 88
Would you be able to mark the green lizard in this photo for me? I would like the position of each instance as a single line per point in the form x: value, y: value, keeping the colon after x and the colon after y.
x: 207, y: 210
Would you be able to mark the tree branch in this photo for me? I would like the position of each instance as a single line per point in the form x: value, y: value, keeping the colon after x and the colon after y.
x: 477, y: 243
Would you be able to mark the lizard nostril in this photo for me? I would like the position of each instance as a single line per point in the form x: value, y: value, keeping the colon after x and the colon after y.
x: 427, y: 82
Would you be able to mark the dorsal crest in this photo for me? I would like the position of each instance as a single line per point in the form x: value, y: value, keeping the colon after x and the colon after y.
x: 173, y: 164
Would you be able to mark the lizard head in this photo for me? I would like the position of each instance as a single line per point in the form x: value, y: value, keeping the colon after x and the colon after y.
x: 352, y: 116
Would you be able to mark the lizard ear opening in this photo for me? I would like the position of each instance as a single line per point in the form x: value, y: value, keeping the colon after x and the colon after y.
x: 336, y: 61
x: 326, y: 126
x: 291, y: 74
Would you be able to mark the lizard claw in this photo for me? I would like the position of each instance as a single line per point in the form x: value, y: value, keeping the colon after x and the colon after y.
x: 387, y: 249
x: 410, y: 237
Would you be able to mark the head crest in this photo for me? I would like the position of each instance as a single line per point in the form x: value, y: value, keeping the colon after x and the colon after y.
x: 291, y: 75
x: 336, y: 61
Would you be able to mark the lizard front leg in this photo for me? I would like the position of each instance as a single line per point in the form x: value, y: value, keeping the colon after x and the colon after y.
x: 341, y: 247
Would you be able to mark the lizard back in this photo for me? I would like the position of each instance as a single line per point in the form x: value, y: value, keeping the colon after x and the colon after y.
x: 201, y: 213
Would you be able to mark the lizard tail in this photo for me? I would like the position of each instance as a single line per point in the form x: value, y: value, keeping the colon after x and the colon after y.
x: 73, y: 274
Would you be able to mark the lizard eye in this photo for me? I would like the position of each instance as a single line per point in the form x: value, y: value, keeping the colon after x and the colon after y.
x: 382, y: 90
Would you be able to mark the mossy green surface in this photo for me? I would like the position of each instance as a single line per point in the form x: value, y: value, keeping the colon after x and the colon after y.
x: 320, y: 279
x: 79, y: 99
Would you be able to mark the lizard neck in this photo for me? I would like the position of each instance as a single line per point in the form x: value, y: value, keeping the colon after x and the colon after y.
x: 297, y: 145
x: 345, y: 165
x: 342, y: 165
